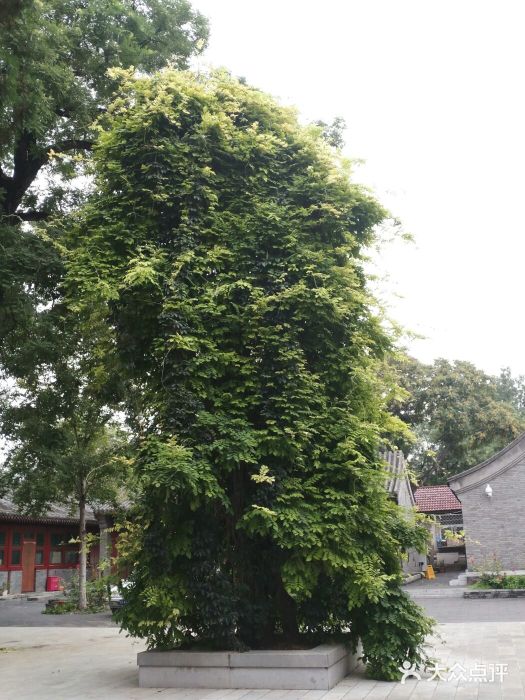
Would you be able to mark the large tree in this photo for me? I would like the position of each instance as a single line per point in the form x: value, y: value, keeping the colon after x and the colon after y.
x: 55, y: 61
x: 460, y: 415
x: 225, y: 251
x: 54, y: 82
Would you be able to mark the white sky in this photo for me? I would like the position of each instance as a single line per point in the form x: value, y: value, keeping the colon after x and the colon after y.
x: 433, y: 96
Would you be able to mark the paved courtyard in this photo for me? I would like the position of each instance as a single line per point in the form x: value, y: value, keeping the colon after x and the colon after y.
x: 21, y: 612
x: 62, y: 663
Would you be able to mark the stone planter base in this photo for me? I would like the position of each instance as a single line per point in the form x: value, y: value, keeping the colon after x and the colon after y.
x: 319, y: 668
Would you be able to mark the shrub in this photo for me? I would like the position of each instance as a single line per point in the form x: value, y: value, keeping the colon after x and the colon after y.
x: 501, y: 581
x: 392, y: 630
x: 97, y: 597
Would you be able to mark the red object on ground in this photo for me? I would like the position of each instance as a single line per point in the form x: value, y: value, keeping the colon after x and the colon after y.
x: 53, y: 583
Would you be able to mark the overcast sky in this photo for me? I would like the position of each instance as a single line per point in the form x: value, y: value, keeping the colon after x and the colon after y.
x: 433, y: 96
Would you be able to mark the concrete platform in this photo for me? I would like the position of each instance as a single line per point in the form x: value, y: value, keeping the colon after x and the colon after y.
x: 319, y: 668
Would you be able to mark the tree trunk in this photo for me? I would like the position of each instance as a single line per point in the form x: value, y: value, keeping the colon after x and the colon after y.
x: 82, y: 602
x: 288, y: 614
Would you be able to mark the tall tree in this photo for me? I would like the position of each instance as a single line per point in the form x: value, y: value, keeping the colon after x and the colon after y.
x: 225, y: 247
x: 64, y: 444
x: 459, y: 414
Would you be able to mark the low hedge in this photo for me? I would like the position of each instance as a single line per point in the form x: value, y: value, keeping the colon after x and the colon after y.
x: 501, y: 581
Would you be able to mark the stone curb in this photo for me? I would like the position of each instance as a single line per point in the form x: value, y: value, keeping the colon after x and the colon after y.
x: 30, y: 596
x: 495, y: 593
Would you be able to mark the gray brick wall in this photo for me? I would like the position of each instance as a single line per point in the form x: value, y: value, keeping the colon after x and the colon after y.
x: 496, y: 526
x: 15, y: 582
x: 40, y: 580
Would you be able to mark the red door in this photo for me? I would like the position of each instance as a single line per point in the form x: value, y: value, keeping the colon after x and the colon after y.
x: 28, y: 567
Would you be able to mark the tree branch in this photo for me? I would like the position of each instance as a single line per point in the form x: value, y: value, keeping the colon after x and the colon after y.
x: 28, y: 160
x: 71, y: 145
x: 31, y: 215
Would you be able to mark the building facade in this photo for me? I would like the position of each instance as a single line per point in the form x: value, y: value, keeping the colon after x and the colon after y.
x: 400, y: 489
x: 35, y: 548
x: 492, y: 495
x: 443, y: 507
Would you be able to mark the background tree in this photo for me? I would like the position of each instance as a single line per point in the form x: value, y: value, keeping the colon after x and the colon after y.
x: 54, y: 82
x: 511, y: 390
x: 54, y: 61
x: 58, y: 417
x: 460, y: 415
x: 225, y: 248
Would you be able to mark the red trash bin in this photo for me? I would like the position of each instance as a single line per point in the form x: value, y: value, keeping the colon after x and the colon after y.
x: 53, y: 583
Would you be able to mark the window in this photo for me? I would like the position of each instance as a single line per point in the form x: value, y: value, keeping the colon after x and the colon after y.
x: 39, y: 554
x: 57, y: 539
x: 72, y: 556
x: 16, y: 549
x: 63, y: 551
x: 16, y: 557
x: 55, y: 557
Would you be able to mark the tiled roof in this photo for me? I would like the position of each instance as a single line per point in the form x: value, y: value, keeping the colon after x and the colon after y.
x: 433, y: 499
x: 396, y: 473
x: 55, y: 513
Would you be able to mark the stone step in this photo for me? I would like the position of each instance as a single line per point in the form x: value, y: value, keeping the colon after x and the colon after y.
x: 436, y: 593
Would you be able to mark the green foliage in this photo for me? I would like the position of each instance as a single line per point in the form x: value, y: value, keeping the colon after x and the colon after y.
x: 97, y: 597
x: 223, y: 244
x: 391, y: 629
x: 97, y: 593
x: 500, y: 581
x: 30, y: 271
x: 57, y: 413
x: 63, y: 608
x: 54, y: 82
x: 333, y: 133
x: 54, y: 61
x: 459, y: 414
x: 63, y: 443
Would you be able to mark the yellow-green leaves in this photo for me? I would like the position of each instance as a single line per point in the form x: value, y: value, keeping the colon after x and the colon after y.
x: 144, y: 270
x: 263, y: 476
